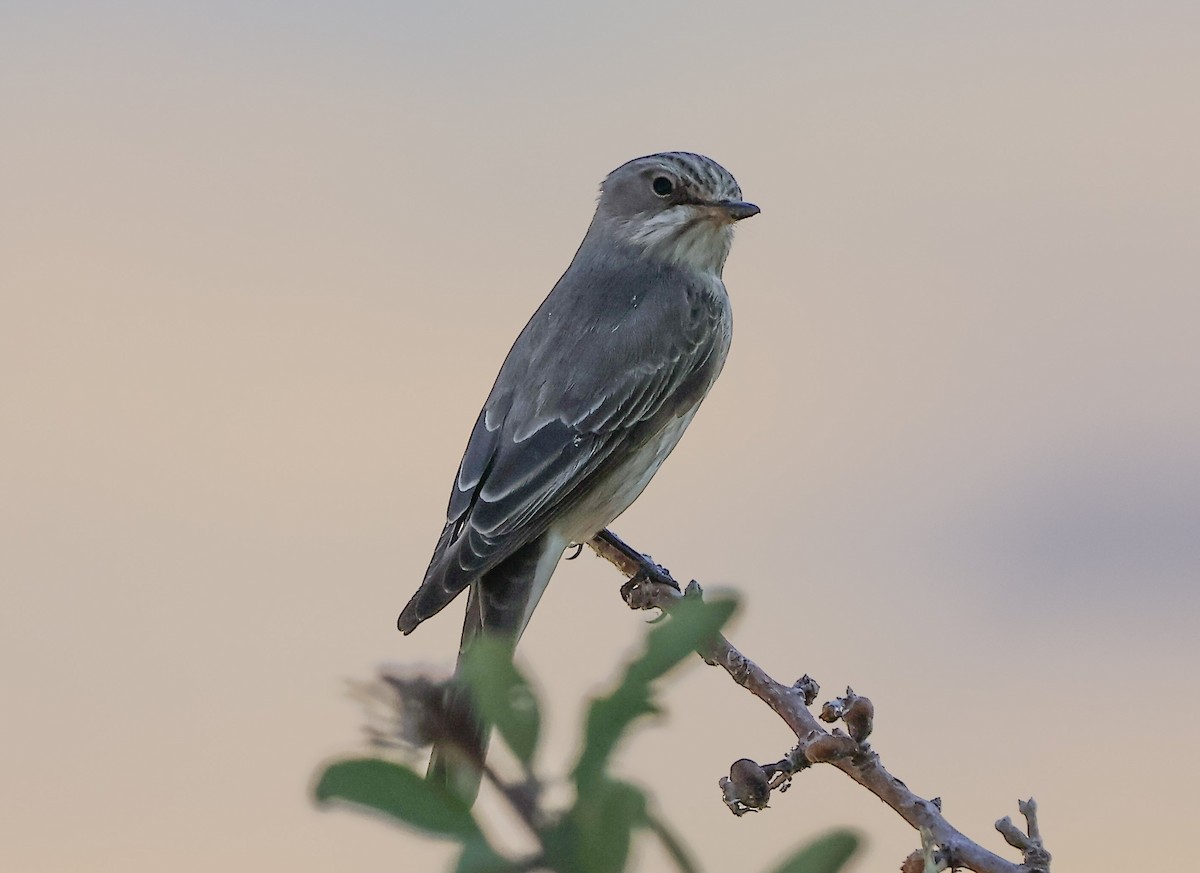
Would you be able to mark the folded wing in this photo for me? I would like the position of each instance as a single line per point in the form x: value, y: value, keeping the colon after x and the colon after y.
x: 572, y: 400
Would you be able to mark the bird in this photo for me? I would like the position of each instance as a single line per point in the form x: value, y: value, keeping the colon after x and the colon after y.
x: 594, y: 394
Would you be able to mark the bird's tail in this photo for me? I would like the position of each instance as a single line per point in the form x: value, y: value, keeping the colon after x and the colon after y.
x: 499, y: 604
x: 457, y: 764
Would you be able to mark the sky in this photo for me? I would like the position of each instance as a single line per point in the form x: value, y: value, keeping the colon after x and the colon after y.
x: 259, y: 263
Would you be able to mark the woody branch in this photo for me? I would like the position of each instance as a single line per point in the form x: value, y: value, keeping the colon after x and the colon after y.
x: 749, y: 785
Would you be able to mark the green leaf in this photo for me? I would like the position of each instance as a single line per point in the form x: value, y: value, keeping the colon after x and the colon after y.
x: 826, y: 854
x: 502, y: 696
x: 671, y: 843
x: 607, y: 720
x: 478, y: 857
x: 560, y: 842
x: 604, y: 820
x: 398, y: 792
x: 692, y: 623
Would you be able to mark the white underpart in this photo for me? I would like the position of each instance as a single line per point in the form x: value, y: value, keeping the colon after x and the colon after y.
x: 609, y: 498
x: 692, y: 236
x: 605, y: 501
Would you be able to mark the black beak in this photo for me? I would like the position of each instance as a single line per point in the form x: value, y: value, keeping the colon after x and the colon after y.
x: 737, y: 209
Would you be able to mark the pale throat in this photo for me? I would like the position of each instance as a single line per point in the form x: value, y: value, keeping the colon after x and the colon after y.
x: 685, y: 236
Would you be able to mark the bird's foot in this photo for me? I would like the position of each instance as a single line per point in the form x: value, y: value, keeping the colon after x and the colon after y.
x: 636, y: 594
x: 650, y: 591
x: 649, y: 581
x: 631, y: 560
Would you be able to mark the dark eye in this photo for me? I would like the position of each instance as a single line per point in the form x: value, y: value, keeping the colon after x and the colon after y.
x: 663, y: 186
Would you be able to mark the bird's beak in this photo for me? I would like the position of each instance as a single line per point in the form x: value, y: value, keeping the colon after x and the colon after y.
x: 737, y: 209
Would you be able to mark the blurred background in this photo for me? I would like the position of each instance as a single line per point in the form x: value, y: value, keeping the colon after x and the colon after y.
x: 260, y: 262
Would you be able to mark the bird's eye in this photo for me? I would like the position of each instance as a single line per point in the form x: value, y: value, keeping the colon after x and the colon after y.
x: 663, y: 186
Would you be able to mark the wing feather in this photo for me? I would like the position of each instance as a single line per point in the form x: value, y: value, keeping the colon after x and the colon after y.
x: 573, y: 399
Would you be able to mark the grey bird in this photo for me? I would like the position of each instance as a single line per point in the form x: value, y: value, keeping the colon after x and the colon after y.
x: 594, y: 394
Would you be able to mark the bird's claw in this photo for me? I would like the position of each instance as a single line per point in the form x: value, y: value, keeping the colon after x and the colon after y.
x: 638, y: 591
x: 634, y: 592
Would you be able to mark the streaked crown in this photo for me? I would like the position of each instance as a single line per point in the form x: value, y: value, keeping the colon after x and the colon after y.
x: 700, y: 175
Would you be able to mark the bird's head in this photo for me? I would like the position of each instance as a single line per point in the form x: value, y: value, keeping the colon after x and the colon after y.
x: 675, y: 206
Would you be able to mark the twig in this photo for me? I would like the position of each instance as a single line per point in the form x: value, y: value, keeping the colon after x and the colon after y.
x: 650, y: 586
x: 1030, y: 842
x: 415, y: 706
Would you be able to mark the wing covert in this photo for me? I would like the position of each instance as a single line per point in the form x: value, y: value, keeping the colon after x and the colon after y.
x: 572, y: 400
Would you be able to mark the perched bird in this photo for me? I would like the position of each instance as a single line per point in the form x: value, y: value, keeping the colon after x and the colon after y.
x: 593, y: 396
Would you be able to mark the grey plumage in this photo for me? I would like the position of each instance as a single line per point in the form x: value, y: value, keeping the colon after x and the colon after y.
x: 594, y: 394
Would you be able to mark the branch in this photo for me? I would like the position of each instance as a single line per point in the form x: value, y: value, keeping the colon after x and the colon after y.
x: 748, y: 787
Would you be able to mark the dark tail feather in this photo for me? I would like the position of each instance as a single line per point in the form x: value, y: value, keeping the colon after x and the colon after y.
x: 458, y: 766
x: 498, y: 604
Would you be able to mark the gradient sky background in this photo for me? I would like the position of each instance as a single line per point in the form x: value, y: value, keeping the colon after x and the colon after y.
x: 259, y: 263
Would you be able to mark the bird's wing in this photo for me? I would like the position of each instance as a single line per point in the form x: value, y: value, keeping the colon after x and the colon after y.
x: 572, y: 400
